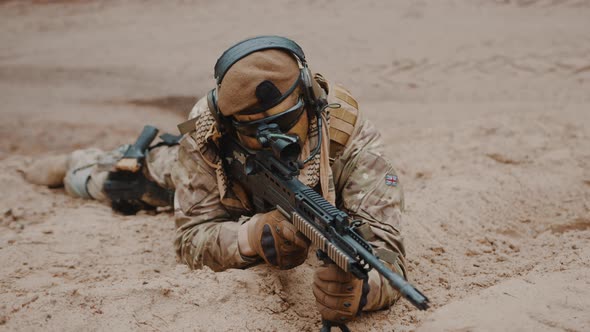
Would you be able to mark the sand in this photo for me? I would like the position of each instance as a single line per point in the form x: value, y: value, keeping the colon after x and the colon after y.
x: 484, y: 107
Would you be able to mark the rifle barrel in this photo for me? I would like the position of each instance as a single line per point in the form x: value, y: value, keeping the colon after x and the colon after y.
x: 406, y: 289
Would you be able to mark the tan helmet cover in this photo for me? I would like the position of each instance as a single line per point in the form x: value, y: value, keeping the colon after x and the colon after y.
x: 237, y: 91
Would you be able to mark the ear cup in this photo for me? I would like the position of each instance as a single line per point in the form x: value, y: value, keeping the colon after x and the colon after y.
x: 307, y: 82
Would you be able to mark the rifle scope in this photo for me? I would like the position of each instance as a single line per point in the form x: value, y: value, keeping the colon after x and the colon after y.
x: 284, y: 147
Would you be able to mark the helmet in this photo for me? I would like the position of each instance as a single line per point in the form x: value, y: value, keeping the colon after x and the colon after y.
x: 263, y: 80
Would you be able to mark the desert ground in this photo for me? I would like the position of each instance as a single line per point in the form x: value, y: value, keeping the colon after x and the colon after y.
x: 484, y: 107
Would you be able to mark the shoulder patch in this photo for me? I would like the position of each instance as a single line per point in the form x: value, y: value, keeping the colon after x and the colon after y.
x: 391, y: 180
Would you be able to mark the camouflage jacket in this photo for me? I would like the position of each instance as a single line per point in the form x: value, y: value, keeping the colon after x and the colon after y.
x: 208, y: 214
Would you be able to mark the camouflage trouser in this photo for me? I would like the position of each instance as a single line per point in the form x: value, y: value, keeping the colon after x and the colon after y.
x: 88, y: 170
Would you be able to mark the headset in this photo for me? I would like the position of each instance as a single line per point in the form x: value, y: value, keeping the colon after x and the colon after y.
x: 249, y: 46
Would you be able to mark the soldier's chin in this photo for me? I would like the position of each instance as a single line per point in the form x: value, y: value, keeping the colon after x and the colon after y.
x: 300, y: 129
x: 250, y: 142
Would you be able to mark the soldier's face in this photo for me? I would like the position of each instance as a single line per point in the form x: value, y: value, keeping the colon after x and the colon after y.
x: 290, y: 115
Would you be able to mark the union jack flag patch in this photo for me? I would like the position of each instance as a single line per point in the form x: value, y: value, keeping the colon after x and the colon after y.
x: 391, y: 180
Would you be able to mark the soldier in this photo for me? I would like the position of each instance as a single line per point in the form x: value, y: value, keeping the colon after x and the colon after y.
x: 266, y: 80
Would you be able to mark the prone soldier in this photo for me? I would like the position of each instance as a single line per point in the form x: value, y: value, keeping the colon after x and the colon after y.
x: 262, y: 80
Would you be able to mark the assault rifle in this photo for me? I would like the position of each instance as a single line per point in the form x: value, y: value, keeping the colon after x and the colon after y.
x: 270, y: 177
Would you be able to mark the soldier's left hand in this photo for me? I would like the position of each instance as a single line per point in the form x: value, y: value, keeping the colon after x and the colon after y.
x: 339, y: 295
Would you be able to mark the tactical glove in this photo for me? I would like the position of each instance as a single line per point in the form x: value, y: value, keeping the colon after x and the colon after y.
x: 277, y: 241
x: 339, y: 295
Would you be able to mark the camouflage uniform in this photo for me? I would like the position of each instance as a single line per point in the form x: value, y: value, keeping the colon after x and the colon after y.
x: 93, y: 165
x: 209, y: 211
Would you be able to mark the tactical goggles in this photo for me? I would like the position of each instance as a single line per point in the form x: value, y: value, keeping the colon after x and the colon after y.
x: 285, y: 120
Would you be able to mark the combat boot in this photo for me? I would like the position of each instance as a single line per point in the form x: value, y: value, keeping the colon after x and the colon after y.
x: 47, y: 171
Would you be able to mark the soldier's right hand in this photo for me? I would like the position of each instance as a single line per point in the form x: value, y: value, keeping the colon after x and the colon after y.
x: 276, y: 240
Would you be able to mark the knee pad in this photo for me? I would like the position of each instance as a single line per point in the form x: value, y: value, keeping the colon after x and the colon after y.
x: 76, y: 180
